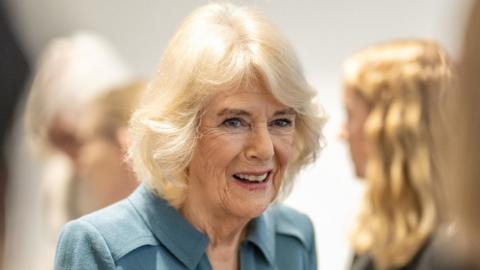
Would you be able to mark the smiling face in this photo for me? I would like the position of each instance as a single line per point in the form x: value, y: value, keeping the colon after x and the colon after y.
x: 245, y: 142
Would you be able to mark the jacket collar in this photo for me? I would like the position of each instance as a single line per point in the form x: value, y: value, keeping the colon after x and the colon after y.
x: 261, y: 233
x: 183, y: 240
x: 169, y: 227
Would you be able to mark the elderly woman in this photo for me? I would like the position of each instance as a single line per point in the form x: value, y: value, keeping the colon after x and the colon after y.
x: 224, y: 128
x: 392, y: 91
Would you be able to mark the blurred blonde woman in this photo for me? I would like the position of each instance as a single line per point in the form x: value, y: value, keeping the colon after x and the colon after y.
x: 391, y: 91
x: 106, y: 177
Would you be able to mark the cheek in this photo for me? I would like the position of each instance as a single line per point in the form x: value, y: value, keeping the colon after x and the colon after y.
x: 354, y: 131
x: 284, y: 148
x: 214, y: 154
x: 355, y: 140
x: 99, y: 156
x: 89, y: 155
x: 360, y: 130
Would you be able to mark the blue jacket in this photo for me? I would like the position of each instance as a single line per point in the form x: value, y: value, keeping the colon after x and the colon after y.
x: 144, y: 232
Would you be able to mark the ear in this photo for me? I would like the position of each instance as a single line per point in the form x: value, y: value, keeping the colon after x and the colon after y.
x: 123, y: 138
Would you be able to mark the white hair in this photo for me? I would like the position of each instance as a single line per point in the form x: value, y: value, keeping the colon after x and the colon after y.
x: 220, y: 47
x: 71, y: 71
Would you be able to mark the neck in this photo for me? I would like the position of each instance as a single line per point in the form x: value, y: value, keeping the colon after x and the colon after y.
x: 225, y: 232
x: 220, y: 228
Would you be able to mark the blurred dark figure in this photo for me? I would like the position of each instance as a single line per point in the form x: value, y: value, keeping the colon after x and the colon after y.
x: 462, y: 157
x: 467, y: 112
x: 14, y: 71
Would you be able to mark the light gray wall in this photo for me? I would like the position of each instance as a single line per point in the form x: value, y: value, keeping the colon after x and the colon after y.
x: 323, y: 33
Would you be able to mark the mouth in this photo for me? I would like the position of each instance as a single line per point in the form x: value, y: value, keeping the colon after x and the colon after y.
x: 253, y: 180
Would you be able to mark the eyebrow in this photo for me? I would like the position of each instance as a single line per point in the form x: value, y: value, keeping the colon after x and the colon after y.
x: 288, y: 111
x: 240, y: 112
x: 236, y: 112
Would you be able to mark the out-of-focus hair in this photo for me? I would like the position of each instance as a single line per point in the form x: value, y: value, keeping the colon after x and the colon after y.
x: 402, y: 82
x: 114, y: 108
x: 71, y: 71
x: 220, y: 47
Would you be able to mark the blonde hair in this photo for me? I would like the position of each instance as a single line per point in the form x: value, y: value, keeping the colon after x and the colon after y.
x: 220, y: 47
x: 113, y: 109
x: 401, y: 82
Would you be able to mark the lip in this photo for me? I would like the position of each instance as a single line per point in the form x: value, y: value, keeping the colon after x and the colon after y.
x: 255, y: 173
x: 255, y: 186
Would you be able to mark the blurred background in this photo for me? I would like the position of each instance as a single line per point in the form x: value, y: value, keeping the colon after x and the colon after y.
x: 323, y: 33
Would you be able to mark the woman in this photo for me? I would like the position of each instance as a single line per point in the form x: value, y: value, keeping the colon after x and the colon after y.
x: 105, y: 176
x: 391, y: 92
x: 72, y: 71
x: 224, y: 128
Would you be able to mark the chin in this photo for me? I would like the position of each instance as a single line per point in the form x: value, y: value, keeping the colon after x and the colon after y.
x: 251, y: 210
x: 250, y: 200
x: 359, y: 168
x: 360, y: 173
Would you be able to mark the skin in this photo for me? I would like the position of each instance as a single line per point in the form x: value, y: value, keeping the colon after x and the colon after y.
x: 242, y: 132
x: 62, y: 135
x: 106, y: 177
x: 353, y: 130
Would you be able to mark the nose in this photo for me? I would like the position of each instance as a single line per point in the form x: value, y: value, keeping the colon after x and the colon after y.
x: 343, y: 133
x: 260, y: 145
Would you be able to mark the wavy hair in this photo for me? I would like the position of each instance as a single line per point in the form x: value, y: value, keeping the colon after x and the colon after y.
x: 220, y: 47
x: 402, y: 83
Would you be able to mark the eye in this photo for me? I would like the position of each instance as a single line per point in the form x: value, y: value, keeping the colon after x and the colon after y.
x: 233, y: 123
x: 283, y: 122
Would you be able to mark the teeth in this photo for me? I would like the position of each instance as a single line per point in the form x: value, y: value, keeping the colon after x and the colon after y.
x: 253, y: 178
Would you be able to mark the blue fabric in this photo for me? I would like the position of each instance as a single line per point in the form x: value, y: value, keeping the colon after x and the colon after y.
x: 144, y: 232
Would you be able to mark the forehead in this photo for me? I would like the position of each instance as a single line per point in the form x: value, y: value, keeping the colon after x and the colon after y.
x: 254, y: 98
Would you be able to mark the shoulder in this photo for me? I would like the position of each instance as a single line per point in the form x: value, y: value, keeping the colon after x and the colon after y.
x: 442, y: 252
x: 362, y: 262
x: 294, y: 239
x: 294, y: 224
x: 113, y: 231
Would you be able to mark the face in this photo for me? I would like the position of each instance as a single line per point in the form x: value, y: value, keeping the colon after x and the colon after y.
x: 104, y: 174
x: 245, y: 141
x: 353, y: 131
x: 62, y: 134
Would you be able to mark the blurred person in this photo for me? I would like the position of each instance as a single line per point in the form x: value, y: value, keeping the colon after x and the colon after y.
x: 14, y: 71
x: 462, y: 152
x: 225, y: 126
x: 105, y: 176
x: 71, y: 72
x: 391, y: 92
